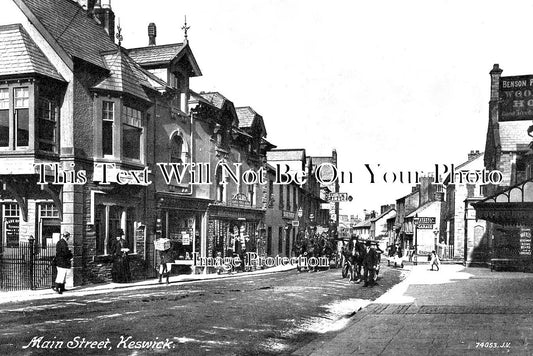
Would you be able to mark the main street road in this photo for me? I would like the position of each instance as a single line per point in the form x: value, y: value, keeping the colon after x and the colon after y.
x: 246, y: 315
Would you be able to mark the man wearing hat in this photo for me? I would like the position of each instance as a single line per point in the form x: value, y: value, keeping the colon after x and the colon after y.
x: 63, y: 257
x: 370, y: 261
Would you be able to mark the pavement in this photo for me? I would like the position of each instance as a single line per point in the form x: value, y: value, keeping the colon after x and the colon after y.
x: 454, y: 311
x: 42, y: 294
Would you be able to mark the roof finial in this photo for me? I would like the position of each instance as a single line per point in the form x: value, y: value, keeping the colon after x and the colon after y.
x: 119, y: 34
x: 185, y: 28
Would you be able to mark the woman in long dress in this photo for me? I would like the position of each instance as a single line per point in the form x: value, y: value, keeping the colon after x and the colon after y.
x: 121, y: 268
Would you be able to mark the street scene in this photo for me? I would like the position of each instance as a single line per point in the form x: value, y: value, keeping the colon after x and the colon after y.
x: 265, y: 178
x: 266, y: 314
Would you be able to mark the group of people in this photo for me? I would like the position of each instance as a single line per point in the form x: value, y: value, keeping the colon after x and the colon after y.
x: 365, y: 257
x: 62, y: 261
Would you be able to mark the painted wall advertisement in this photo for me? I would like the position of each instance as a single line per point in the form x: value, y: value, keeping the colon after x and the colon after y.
x: 516, y: 98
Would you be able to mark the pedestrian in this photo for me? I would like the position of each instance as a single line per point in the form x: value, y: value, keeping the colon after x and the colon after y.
x: 434, y: 260
x: 121, y: 268
x: 167, y: 258
x: 370, y: 261
x: 62, y: 261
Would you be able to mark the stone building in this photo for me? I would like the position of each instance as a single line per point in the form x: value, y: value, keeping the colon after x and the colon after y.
x: 507, y: 207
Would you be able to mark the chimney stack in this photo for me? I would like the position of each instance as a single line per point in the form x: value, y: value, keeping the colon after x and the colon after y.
x: 473, y: 154
x: 152, y: 33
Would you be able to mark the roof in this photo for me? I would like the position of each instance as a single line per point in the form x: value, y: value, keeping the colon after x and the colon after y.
x: 21, y: 55
x: 365, y: 223
x: 214, y: 98
x: 320, y: 160
x: 513, y: 135
x: 123, y: 77
x: 155, y: 54
x: 384, y: 213
x: 297, y: 154
x: 67, y: 22
x: 246, y: 116
x: 421, y: 209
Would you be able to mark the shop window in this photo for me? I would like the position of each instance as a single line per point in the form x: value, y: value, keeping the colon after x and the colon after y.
x: 11, y: 225
x: 108, y: 116
x: 47, y: 115
x: 49, y: 224
x: 131, y: 132
x: 108, y: 220
x: 4, y: 117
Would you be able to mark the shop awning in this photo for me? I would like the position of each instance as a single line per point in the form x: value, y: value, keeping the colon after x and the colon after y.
x: 513, y: 206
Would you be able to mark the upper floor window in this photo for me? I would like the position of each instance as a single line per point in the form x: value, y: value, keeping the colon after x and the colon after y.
x: 47, y: 115
x: 131, y: 132
x: 176, y: 149
x: 288, y: 197
x: 4, y: 117
x: 108, y: 117
x: 281, y: 205
x: 22, y: 116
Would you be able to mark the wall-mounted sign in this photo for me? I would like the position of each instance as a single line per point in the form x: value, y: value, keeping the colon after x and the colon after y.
x: 296, y: 223
x: 516, y: 98
x: 338, y: 197
x: 525, y: 241
x: 424, y: 220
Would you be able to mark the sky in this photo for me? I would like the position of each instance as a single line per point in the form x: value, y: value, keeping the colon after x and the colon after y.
x: 402, y: 84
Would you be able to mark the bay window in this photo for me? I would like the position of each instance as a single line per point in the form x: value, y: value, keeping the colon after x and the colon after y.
x: 108, y: 116
x: 131, y: 133
x: 47, y: 115
x: 4, y: 117
x: 22, y: 116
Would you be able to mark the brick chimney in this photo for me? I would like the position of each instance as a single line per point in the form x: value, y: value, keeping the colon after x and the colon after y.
x: 152, y: 33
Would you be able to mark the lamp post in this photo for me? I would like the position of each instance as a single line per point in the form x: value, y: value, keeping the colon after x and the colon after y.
x: 415, y: 254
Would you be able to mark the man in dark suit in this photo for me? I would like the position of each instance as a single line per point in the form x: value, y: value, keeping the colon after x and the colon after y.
x: 63, y: 257
x: 370, y: 261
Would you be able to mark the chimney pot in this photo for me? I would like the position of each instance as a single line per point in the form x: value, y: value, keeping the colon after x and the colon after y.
x: 152, y: 33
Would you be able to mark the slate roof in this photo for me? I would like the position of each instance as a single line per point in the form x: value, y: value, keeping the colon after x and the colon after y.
x: 246, y: 116
x: 513, y: 135
x: 214, y: 98
x: 122, y: 77
x: 385, y: 213
x: 67, y: 22
x: 155, y: 54
x: 286, y: 155
x: 20, y: 55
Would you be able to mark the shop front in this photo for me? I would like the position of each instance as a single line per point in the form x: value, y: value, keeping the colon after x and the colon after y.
x: 182, y: 220
x: 509, y: 235
x: 233, y: 231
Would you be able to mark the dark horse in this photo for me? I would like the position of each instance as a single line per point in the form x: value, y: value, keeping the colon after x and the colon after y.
x: 355, y: 253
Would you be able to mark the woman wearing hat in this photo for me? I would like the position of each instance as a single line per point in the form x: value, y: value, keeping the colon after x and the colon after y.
x: 121, y: 268
x: 63, y: 257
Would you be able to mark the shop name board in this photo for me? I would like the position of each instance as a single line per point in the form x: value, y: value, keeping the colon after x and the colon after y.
x: 296, y: 223
x: 425, y: 220
x: 516, y: 98
x: 338, y: 197
x: 425, y: 226
x: 288, y: 214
